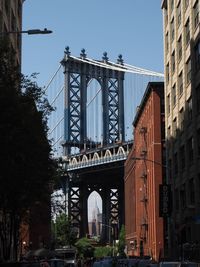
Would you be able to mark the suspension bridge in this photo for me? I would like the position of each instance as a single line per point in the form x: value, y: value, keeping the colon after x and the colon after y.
x: 91, y: 130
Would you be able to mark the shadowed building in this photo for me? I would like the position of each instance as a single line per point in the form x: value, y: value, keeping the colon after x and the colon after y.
x: 143, y: 175
x: 181, y: 33
x: 11, y: 20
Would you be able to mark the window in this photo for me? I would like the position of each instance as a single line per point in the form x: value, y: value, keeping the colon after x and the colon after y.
x: 197, y: 56
x: 166, y: 15
x: 172, y: 5
x: 175, y: 164
x: 1, y: 21
x: 183, y: 196
x: 181, y: 119
x: 196, y: 14
x: 180, y: 48
x: 187, y: 32
x: 188, y: 71
x: 167, y: 73
x: 182, y: 158
x: 180, y: 83
x: 179, y: 14
x: 173, y: 62
x: 167, y: 42
x: 190, y: 149
x: 174, y: 126
x: 189, y: 107
x: 19, y: 8
x: 7, y: 7
x: 198, y: 142
x: 198, y: 98
x: 172, y: 29
x: 169, y: 131
x: 169, y: 169
x: 168, y: 104
x: 174, y: 94
x: 176, y: 199
x: 186, y: 3
x: 191, y: 192
x: 13, y: 22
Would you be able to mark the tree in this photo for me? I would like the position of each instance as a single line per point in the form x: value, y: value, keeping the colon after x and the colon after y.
x: 27, y: 166
x: 63, y: 231
x: 122, y: 242
x: 85, y: 248
x: 101, y: 252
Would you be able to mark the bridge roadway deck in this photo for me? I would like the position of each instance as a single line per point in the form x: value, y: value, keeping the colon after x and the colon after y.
x: 106, y: 157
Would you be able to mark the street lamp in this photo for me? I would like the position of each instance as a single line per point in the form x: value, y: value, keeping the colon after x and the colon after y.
x: 110, y: 231
x: 31, y: 31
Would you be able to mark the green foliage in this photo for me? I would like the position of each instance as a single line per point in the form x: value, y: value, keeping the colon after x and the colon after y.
x: 85, y: 248
x: 63, y: 231
x: 101, y: 252
x: 27, y: 167
x: 122, y: 242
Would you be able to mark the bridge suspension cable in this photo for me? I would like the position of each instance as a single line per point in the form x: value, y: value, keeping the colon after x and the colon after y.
x: 124, y: 67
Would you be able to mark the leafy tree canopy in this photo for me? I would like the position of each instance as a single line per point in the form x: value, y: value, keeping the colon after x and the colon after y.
x: 27, y: 166
x: 85, y: 248
x: 64, y: 233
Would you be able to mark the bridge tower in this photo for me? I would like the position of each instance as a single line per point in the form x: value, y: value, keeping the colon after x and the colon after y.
x: 78, y: 74
x: 77, y: 77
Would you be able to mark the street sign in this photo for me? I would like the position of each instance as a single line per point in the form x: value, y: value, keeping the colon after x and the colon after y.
x: 165, y: 200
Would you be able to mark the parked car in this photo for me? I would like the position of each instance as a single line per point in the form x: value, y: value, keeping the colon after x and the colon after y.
x: 56, y: 263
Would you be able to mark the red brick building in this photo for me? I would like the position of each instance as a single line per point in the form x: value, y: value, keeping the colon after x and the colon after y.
x: 143, y: 174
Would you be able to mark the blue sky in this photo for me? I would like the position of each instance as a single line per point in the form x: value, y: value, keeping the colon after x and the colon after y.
x: 132, y: 28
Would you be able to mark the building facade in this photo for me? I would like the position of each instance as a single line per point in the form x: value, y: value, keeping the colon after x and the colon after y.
x: 143, y: 175
x: 181, y: 33
x: 11, y: 20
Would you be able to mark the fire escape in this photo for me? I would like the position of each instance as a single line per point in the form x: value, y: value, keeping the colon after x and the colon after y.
x: 144, y: 199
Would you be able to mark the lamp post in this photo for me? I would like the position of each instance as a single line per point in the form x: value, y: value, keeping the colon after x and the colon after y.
x: 30, y: 32
x: 110, y: 231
